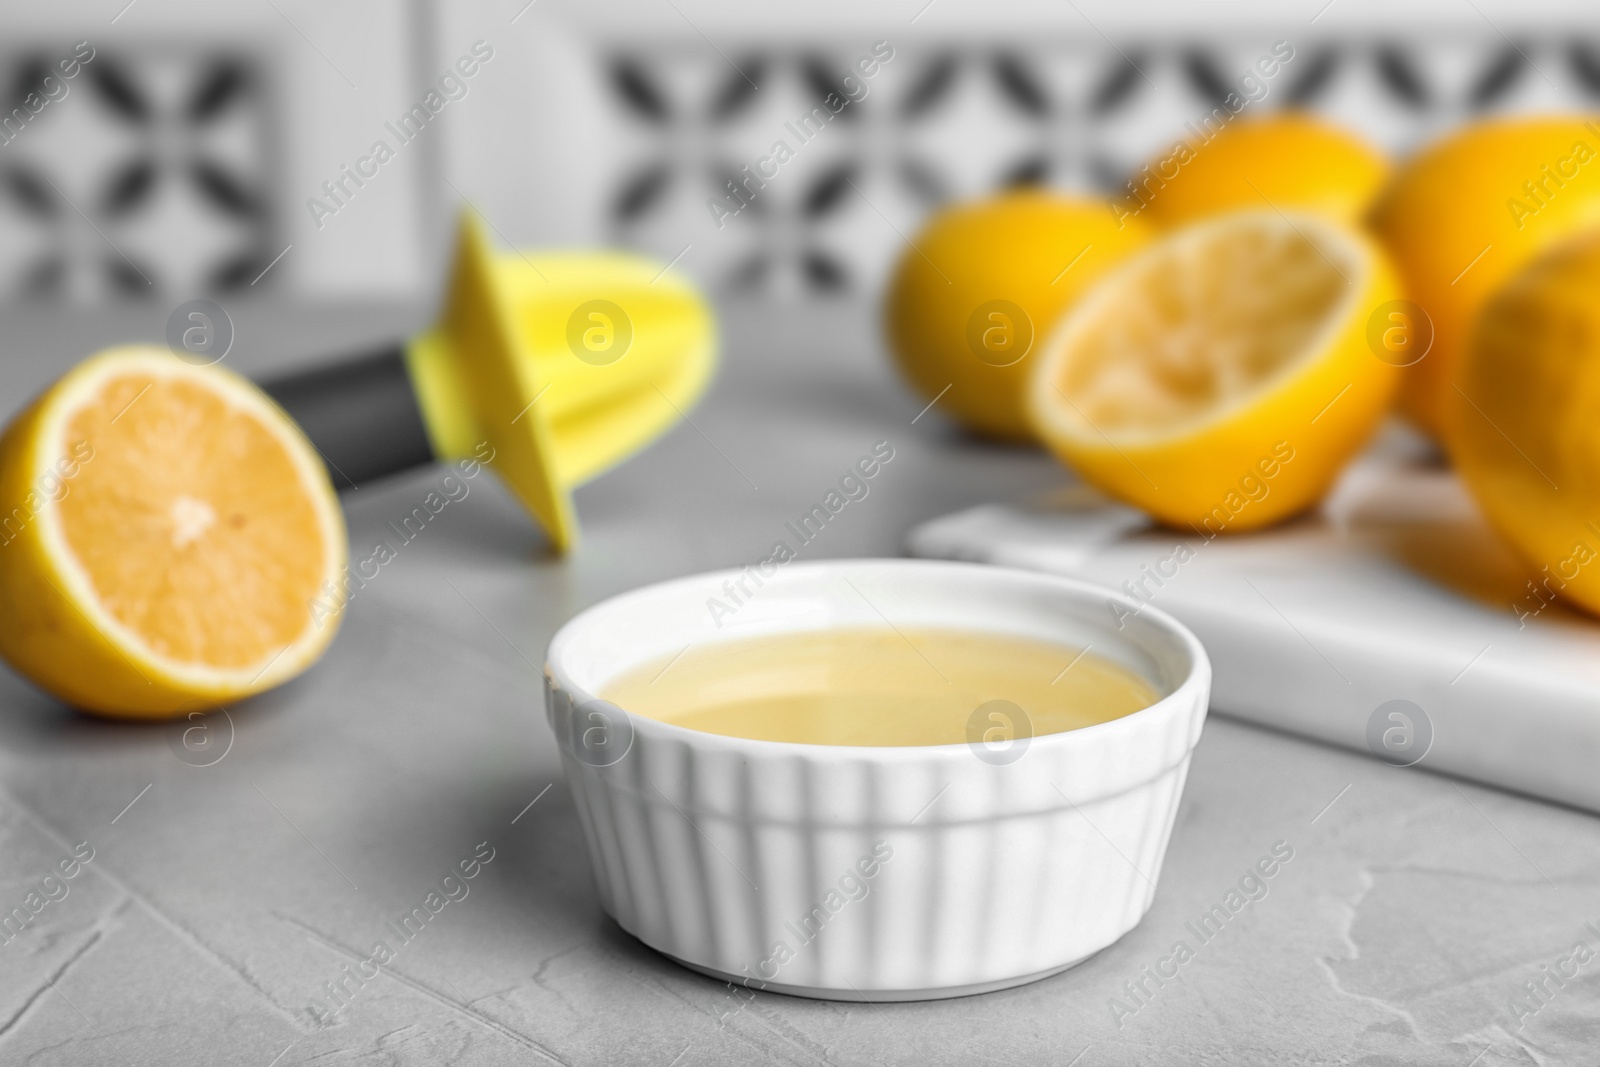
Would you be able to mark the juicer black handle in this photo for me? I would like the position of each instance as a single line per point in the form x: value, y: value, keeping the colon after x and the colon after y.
x: 361, y: 414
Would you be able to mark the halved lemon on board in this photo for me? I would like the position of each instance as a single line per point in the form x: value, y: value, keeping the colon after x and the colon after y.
x: 1524, y: 422
x: 170, y: 542
x: 1221, y: 379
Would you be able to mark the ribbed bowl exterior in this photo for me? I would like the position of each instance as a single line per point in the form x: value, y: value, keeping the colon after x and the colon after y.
x: 868, y: 872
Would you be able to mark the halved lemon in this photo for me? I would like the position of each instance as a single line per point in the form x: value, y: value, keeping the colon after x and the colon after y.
x: 172, y: 541
x: 1523, y: 418
x: 1221, y: 378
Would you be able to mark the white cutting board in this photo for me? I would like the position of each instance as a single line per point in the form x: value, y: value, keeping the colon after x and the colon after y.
x: 1395, y: 589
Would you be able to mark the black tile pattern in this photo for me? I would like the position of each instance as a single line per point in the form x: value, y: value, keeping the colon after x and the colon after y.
x: 151, y: 178
x: 945, y: 122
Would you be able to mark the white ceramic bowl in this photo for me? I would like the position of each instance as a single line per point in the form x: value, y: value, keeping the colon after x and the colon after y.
x: 875, y: 873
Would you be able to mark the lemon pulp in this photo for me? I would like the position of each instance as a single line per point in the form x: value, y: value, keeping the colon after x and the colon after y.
x: 206, y: 566
x: 1202, y: 327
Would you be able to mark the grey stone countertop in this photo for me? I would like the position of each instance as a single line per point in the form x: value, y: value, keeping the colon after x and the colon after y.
x: 220, y: 899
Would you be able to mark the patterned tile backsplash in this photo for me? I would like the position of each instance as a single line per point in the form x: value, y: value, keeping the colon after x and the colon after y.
x: 933, y: 123
x: 156, y: 171
x: 139, y: 174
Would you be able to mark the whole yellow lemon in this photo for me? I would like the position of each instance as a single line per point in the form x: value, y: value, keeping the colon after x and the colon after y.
x: 1289, y: 161
x: 1524, y: 421
x: 1466, y: 214
x: 978, y: 289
